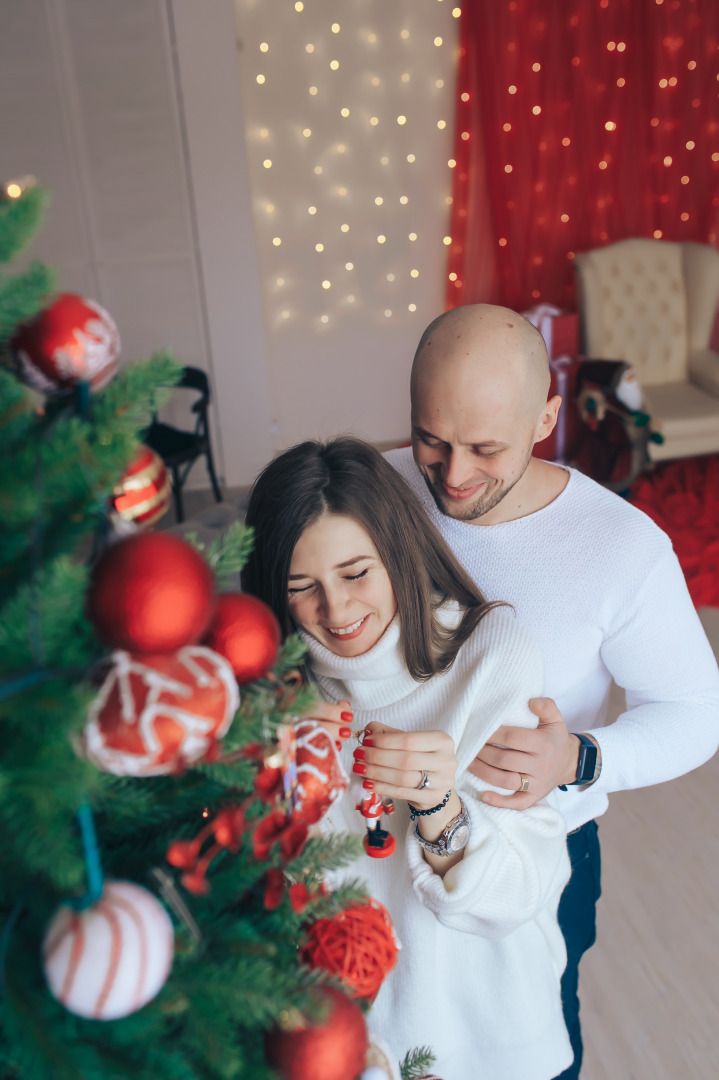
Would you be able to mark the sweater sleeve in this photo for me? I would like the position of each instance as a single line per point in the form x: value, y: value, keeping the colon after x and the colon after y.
x: 516, y: 863
x: 659, y: 654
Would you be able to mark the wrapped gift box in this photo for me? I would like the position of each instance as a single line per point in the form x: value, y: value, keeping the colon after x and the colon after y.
x: 560, y: 329
x: 562, y: 444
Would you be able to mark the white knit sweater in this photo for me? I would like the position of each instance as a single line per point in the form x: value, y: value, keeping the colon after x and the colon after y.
x: 598, y: 585
x: 482, y: 954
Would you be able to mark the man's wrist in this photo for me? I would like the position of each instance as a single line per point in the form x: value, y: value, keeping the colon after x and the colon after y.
x: 598, y: 766
x: 574, y: 745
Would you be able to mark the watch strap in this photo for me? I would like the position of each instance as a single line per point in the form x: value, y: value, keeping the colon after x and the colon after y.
x: 586, y: 762
x: 440, y: 845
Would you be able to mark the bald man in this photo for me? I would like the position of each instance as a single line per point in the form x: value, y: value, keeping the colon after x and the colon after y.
x: 592, y: 577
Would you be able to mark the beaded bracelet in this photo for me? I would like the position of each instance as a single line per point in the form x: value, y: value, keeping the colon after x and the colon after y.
x: 433, y: 810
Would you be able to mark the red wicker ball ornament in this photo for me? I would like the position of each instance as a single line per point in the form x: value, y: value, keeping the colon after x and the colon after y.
x: 358, y: 945
x: 334, y: 1049
x: 245, y: 631
x: 72, y: 339
x: 151, y: 593
x: 143, y: 494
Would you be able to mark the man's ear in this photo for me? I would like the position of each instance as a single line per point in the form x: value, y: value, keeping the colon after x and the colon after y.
x: 548, y: 419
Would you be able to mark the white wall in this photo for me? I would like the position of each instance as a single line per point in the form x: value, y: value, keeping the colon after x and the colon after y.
x: 145, y: 120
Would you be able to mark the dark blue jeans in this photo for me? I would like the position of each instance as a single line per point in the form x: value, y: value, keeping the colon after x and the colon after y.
x: 577, y: 918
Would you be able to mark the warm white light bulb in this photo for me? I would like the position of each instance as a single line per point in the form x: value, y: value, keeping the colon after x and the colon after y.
x: 372, y: 38
x: 384, y: 160
x: 299, y: 6
x: 260, y: 79
x: 309, y: 47
x: 350, y: 299
x: 334, y: 64
x: 381, y: 239
x: 439, y: 83
x: 344, y: 112
x: 326, y: 284
x: 307, y: 132
x: 318, y: 170
x: 438, y: 41
x: 324, y: 318
x: 349, y: 266
x: 447, y: 240
x: 374, y: 120
x: 276, y: 241
x: 267, y: 163
x: 311, y: 209
x: 441, y: 124
x: 456, y: 12
x: 452, y: 163
x: 345, y: 228
x: 313, y: 90
x: 375, y: 80
x: 388, y: 313
x: 264, y: 132
x: 390, y: 277
x: 401, y: 120
x: 414, y: 273
x: 404, y: 77
x: 342, y: 191
x: 413, y: 236
x: 264, y: 46
x: 335, y: 28
x: 411, y: 158
x: 411, y: 307
x: 319, y: 247
x: 403, y: 199
x: 379, y: 200
x: 280, y: 281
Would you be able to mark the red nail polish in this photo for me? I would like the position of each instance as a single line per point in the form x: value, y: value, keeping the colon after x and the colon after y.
x: 368, y: 784
x: 348, y: 716
x: 345, y: 732
x: 359, y: 767
x: 367, y: 742
x: 360, y: 754
x: 338, y: 744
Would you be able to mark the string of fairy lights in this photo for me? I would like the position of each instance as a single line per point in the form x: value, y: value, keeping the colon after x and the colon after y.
x: 347, y: 124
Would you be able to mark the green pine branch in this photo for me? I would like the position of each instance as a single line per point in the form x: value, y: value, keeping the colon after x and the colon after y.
x: 416, y: 1063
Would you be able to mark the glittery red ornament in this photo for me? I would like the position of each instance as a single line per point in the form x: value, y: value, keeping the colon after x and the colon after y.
x: 245, y: 631
x: 144, y: 492
x: 159, y: 714
x: 358, y: 944
x: 320, y: 776
x: 73, y: 339
x: 151, y: 593
x: 333, y: 1049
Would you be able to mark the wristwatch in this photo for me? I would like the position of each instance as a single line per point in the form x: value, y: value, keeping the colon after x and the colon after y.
x: 587, y: 771
x: 454, y: 837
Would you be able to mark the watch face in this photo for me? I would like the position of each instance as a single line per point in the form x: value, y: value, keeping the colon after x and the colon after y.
x: 458, y: 839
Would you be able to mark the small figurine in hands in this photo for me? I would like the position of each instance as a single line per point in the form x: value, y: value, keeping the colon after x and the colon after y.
x: 378, y: 843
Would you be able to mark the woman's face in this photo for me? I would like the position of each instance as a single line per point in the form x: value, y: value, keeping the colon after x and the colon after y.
x: 339, y: 590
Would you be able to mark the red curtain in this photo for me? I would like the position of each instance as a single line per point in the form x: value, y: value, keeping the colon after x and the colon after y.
x: 578, y: 122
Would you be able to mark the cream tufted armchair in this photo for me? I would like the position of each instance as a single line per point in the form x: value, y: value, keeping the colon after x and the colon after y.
x: 652, y: 303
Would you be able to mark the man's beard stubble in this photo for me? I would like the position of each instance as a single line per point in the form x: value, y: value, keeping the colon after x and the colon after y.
x: 483, y: 504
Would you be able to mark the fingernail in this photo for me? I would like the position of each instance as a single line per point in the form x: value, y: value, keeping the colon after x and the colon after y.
x: 345, y: 732
x: 360, y: 754
x: 368, y: 784
x: 348, y: 716
x: 359, y: 768
x: 367, y: 742
x: 338, y: 744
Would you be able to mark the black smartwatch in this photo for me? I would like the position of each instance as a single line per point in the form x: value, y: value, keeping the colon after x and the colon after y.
x: 587, y: 763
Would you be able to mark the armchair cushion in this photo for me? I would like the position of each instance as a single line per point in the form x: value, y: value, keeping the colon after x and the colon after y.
x: 704, y: 370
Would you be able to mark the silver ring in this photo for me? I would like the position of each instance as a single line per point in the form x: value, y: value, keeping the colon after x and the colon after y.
x: 424, y: 781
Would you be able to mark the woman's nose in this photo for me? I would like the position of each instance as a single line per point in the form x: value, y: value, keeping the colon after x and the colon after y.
x: 334, y: 603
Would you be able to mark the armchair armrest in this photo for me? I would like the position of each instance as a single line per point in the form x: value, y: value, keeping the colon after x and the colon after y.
x: 703, y: 370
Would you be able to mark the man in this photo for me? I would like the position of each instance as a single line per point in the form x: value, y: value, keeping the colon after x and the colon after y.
x: 592, y: 577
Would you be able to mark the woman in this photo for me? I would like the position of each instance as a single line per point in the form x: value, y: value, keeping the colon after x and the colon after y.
x: 345, y: 553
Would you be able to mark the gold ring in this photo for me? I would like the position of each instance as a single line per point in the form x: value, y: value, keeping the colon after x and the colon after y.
x: 524, y: 782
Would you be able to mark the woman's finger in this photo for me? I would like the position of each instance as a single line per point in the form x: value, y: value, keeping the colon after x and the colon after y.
x: 408, y: 741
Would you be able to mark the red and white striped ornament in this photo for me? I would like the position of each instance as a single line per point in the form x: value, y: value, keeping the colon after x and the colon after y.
x: 155, y: 715
x: 111, y: 959
x: 321, y: 777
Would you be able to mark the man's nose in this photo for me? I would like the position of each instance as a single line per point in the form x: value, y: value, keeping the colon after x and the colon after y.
x: 457, y: 470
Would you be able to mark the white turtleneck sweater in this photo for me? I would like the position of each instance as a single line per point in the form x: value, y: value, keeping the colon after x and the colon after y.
x: 598, y: 585
x: 478, y: 974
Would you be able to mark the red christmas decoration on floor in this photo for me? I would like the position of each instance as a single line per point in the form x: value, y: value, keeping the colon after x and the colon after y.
x: 159, y: 714
x: 151, y: 593
x: 333, y: 1049
x: 72, y: 339
x: 245, y: 631
x: 682, y: 497
x: 358, y: 944
x: 320, y: 776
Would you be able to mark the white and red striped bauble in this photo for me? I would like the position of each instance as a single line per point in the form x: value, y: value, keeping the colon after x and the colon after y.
x: 155, y: 715
x: 111, y: 959
x: 321, y: 777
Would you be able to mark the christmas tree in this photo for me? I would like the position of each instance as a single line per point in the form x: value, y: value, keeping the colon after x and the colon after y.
x: 157, y: 876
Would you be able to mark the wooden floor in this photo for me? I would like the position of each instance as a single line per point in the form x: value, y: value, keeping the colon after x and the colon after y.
x: 650, y: 986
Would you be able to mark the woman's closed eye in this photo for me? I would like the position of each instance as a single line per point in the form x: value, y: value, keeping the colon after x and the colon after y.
x: 356, y: 577
x: 293, y: 590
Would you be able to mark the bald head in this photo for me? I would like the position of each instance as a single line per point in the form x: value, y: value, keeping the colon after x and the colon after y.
x: 483, y: 348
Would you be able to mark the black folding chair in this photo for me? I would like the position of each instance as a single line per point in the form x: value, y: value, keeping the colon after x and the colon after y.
x: 180, y: 449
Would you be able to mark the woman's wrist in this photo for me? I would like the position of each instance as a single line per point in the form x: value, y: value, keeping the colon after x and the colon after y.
x: 432, y: 826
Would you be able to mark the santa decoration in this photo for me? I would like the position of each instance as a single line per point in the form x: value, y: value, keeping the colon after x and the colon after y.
x: 159, y: 714
x: 378, y: 843
x: 320, y: 776
x: 112, y: 958
x: 72, y: 340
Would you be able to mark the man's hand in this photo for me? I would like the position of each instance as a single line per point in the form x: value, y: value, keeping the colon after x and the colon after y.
x: 548, y: 755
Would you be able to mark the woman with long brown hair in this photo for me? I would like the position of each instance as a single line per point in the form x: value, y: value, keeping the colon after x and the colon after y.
x: 399, y: 635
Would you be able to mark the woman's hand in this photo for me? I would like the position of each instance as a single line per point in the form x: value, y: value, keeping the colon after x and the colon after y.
x: 335, y: 719
x: 392, y: 762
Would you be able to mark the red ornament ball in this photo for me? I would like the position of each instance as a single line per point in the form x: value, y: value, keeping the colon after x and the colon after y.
x: 333, y: 1049
x: 358, y: 944
x: 151, y: 593
x: 143, y: 494
x: 159, y: 714
x: 73, y: 339
x: 245, y: 631
x: 321, y: 777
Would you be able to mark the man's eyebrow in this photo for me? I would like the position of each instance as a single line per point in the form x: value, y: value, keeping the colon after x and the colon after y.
x: 339, y: 566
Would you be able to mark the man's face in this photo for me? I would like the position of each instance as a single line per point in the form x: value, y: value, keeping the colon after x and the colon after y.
x: 472, y: 449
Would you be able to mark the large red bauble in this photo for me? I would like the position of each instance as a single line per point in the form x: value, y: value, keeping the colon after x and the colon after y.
x: 332, y: 1050
x: 144, y: 492
x: 159, y: 714
x: 151, y: 594
x: 321, y: 777
x: 245, y: 631
x: 73, y: 339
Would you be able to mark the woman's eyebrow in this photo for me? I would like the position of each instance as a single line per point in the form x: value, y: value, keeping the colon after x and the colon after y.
x: 339, y: 566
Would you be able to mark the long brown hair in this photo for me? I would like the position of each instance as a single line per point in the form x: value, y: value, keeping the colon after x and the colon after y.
x: 348, y: 477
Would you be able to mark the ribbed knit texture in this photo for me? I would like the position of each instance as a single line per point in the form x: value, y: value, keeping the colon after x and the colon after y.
x: 598, y: 585
x: 482, y: 954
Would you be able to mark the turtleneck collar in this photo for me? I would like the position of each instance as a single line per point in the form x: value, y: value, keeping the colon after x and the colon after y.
x: 377, y: 678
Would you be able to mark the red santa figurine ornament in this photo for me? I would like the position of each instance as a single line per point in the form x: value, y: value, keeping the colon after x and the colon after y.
x: 378, y: 843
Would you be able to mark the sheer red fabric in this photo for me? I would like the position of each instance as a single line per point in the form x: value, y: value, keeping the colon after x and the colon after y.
x: 578, y: 123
